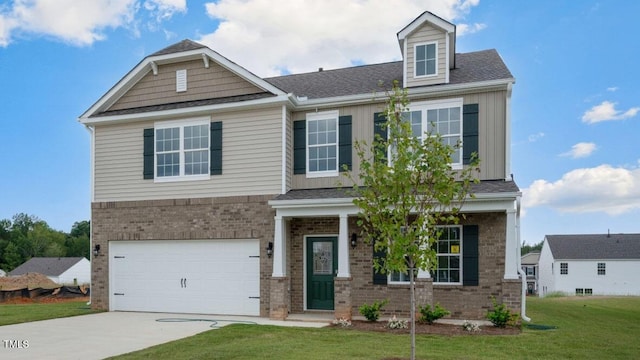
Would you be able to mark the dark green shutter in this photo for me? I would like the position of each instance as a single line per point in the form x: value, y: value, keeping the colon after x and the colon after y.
x: 215, y: 165
x: 148, y: 153
x: 344, y: 142
x: 378, y: 277
x: 300, y: 147
x: 379, y: 128
x: 470, y: 255
x: 469, y: 132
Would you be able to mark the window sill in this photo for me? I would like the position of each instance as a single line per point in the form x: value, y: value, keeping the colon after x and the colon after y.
x: 321, y: 174
x: 168, y: 179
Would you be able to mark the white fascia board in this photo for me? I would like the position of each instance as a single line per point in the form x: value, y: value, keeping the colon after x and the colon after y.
x: 425, y: 17
x: 187, y: 112
x: 443, y: 90
x: 147, y: 64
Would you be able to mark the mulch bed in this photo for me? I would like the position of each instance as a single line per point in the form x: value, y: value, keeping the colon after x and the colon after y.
x: 435, y: 329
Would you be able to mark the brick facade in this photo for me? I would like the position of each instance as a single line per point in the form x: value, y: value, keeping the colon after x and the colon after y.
x: 464, y: 302
x: 238, y: 217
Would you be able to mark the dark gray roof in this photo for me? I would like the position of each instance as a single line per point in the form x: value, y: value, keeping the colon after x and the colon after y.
x: 594, y: 246
x: 49, y: 266
x: 484, y: 187
x: 530, y: 258
x: 184, y: 45
x: 470, y: 67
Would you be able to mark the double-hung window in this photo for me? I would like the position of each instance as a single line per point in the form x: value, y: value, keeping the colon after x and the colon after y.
x: 443, y: 117
x: 449, y: 256
x: 426, y: 59
x: 322, y: 144
x: 564, y: 268
x: 182, y: 150
x: 602, y: 268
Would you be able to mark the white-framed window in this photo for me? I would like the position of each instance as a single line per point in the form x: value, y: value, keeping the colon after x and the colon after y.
x: 564, y: 268
x: 426, y: 59
x: 322, y: 144
x: 182, y: 150
x: 602, y: 269
x: 449, y: 256
x: 441, y: 116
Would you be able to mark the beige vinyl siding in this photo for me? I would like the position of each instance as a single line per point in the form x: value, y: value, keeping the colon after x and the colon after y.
x: 426, y: 34
x: 251, y: 158
x: 202, y: 83
x: 491, y: 142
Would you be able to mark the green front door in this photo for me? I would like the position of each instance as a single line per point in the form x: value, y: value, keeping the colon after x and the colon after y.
x: 322, y: 264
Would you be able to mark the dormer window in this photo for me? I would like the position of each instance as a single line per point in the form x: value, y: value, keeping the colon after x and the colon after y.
x: 426, y: 59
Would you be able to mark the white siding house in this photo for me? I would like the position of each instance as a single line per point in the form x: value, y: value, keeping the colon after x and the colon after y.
x: 61, y: 270
x: 596, y: 264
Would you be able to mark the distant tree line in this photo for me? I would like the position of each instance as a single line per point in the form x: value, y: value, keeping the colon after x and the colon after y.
x: 526, y: 248
x: 26, y: 236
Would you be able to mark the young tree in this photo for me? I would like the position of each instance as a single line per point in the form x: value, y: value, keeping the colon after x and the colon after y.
x: 408, y: 190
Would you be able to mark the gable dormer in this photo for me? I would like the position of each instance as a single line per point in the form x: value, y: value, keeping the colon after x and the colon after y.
x: 428, y: 50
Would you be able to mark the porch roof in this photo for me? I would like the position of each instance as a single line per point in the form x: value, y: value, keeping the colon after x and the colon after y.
x: 483, y: 187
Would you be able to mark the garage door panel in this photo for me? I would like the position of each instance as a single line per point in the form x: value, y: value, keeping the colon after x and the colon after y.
x: 212, y: 276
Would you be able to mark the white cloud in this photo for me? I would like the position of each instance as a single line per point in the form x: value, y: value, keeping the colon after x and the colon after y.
x: 535, y: 137
x: 606, y: 111
x: 581, y: 150
x: 308, y: 34
x: 612, y: 89
x: 464, y: 29
x: 76, y: 22
x: 612, y: 190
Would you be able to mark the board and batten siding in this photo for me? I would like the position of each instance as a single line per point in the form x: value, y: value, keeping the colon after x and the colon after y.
x: 426, y: 34
x: 491, y: 142
x: 251, y: 160
x: 202, y: 83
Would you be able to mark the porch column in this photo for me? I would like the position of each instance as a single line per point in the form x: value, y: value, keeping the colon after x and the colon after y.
x: 279, y: 249
x: 343, y: 248
x: 511, y: 255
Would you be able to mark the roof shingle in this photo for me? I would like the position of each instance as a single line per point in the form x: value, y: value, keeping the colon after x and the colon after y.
x: 50, y: 266
x: 594, y: 246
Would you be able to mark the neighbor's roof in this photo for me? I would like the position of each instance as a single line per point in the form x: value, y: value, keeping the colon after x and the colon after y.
x: 484, y: 187
x: 50, y: 266
x: 594, y: 246
x: 530, y: 258
x: 470, y: 67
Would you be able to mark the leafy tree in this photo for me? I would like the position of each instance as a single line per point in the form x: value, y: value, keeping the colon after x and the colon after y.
x: 525, y: 248
x: 11, y: 257
x: 81, y: 228
x: 405, y: 199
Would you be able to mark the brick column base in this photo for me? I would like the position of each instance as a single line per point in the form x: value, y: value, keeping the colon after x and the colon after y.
x: 512, y: 294
x: 279, y: 308
x: 424, y: 293
x: 342, y: 298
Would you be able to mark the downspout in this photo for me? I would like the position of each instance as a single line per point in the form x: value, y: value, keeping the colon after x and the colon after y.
x: 523, y: 275
x: 91, y: 131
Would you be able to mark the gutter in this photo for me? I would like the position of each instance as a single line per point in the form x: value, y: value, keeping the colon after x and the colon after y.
x: 91, y: 131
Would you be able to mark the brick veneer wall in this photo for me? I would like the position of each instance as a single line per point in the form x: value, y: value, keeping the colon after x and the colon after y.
x: 464, y: 302
x: 238, y: 217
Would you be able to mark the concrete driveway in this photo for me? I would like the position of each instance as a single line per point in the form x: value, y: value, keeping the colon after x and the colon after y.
x: 107, y: 334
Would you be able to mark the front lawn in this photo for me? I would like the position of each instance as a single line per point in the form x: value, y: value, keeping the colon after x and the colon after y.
x: 587, y: 328
x: 21, y: 313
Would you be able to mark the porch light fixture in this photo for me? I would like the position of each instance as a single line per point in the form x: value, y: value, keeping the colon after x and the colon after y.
x: 354, y: 240
x: 96, y: 250
x: 269, y: 249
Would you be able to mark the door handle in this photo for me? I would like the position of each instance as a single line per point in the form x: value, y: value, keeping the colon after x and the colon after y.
x: 185, y: 282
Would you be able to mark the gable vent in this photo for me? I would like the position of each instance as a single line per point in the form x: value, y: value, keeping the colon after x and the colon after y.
x: 181, y: 80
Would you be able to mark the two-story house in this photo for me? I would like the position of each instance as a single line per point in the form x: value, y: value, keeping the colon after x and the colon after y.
x: 216, y: 191
x: 529, y: 264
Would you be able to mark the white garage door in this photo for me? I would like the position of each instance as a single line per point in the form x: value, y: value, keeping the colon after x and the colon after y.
x: 195, y: 276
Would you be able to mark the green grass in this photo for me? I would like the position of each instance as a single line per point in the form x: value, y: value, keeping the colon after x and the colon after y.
x: 587, y: 328
x: 21, y: 313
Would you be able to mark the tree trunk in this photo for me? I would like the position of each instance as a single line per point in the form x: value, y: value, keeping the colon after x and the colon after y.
x: 412, y: 283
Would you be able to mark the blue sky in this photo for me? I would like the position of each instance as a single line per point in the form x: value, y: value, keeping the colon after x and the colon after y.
x: 575, y: 105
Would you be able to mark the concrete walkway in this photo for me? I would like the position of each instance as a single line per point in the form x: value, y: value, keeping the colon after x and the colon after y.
x: 102, y: 335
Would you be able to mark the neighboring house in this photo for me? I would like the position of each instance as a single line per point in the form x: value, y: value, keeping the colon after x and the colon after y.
x: 215, y: 190
x: 61, y: 270
x: 590, y: 264
x: 529, y: 264
x: 2, y: 273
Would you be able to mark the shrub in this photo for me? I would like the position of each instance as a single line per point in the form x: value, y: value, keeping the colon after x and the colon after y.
x: 429, y: 316
x: 395, y: 323
x: 372, y: 312
x: 500, y: 316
